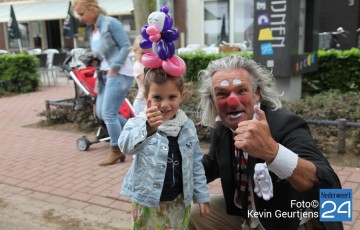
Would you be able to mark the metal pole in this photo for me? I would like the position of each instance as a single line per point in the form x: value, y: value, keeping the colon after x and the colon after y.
x: 341, y: 135
x: 19, y: 42
x: 75, y: 42
x: 48, y: 112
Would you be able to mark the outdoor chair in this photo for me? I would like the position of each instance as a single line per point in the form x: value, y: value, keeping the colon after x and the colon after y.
x: 43, y: 68
x: 3, y: 52
x: 34, y: 51
x: 50, y: 57
x: 57, y: 63
x: 210, y: 50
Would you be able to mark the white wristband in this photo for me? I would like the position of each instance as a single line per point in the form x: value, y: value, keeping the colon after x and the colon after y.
x: 284, y: 163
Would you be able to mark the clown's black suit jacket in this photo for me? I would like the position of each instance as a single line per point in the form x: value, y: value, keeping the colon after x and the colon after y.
x: 290, y: 131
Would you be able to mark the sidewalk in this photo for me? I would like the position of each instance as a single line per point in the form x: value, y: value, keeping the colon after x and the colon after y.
x: 43, y: 174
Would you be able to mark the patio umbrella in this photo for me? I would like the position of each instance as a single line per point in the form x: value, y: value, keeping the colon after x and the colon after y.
x: 70, y: 26
x: 13, y: 27
x: 223, y: 32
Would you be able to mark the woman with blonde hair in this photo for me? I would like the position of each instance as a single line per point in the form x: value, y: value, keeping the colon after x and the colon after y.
x: 110, y: 41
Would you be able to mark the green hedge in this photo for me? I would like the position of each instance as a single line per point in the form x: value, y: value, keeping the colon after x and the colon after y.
x: 19, y: 73
x: 336, y: 70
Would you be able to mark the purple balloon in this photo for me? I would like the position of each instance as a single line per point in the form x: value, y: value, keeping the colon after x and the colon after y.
x: 164, y: 9
x: 168, y: 22
x: 165, y: 50
x: 162, y: 49
x: 143, y: 32
x: 170, y: 35
x: 165, y: 47
x: 145, y: 44
x: 171, y: 47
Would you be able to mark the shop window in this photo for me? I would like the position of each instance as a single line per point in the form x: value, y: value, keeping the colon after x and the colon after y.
x: 36, y: 33
x: 243, y: 22
x: 83, y: 39
x: 25, y: 41
x: 216, y: 21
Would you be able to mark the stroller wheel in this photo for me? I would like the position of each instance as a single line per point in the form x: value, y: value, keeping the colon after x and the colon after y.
x: 82, y: 143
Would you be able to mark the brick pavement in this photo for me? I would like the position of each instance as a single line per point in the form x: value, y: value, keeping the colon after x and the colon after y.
x: 45, y: 164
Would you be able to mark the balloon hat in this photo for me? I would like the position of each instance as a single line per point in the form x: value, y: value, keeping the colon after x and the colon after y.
x: 159, y: 35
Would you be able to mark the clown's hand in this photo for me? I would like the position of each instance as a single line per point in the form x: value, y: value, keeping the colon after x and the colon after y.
x: 262, y: 180
x: 205, y: 209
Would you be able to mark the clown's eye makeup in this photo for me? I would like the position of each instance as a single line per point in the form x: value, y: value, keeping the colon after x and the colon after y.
x: 242, y: 91
x: 220, y: 95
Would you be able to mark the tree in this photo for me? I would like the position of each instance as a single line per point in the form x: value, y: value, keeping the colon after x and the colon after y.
x: 142, y: 9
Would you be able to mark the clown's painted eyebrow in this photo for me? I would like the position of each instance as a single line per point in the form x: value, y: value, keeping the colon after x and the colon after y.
x: 236, y: 81
x: 224, y: 83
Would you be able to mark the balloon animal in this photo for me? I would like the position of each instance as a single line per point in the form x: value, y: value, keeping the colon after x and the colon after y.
x: 159, y: 35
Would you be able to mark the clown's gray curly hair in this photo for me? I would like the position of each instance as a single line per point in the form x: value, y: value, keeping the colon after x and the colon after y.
x: 262, y: 79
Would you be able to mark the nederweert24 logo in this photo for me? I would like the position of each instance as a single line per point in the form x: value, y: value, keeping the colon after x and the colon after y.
x: 335, y: 205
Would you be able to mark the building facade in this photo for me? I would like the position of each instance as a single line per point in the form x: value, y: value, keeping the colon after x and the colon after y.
x: 211, y: 21
x: 203, y: 22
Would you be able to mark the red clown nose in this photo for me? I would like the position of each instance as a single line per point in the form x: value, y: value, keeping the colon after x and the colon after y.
x: 233, y: 101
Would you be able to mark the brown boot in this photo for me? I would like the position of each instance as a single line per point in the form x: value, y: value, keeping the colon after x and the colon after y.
x: 113, y: 157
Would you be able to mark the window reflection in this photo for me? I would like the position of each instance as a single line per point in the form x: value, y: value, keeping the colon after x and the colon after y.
x: 217, y: 18
x: 243, y: 23
x: 36, y: 33
x: 83, y: 39
x: 216, y: 25
x: 25, y: 42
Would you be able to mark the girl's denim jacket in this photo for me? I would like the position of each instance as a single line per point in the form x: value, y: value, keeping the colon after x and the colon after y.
x: 144, y: 181
x: 114, y: 42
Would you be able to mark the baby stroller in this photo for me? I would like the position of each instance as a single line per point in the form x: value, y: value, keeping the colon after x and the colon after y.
x: 85, y: 83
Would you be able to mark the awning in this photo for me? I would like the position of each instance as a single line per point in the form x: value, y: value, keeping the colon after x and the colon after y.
x: 35, y: 10
x: 117, y: 7
x: 56, y: 9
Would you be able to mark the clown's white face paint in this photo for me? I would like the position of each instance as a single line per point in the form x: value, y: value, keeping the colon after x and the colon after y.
x: 236, y: 81
x: 224, y: 83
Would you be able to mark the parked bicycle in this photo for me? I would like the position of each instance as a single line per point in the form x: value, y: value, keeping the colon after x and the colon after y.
x: 331, y: 40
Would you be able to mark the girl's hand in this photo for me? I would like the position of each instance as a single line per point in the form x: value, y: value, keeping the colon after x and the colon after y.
x: 205, y: 209
x: 112, y: 72
x: 154, y: 118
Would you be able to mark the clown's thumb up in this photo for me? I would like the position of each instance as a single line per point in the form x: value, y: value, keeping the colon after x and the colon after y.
x: 259, y: 114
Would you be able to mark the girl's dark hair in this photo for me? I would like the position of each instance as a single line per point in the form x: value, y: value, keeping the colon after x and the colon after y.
x: 159, y: 76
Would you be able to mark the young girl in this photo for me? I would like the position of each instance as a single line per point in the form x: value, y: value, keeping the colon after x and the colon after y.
x: 139, y: 103
x: 167, y: 172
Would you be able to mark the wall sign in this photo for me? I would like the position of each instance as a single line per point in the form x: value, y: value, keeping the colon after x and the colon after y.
x: 278, y: 31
